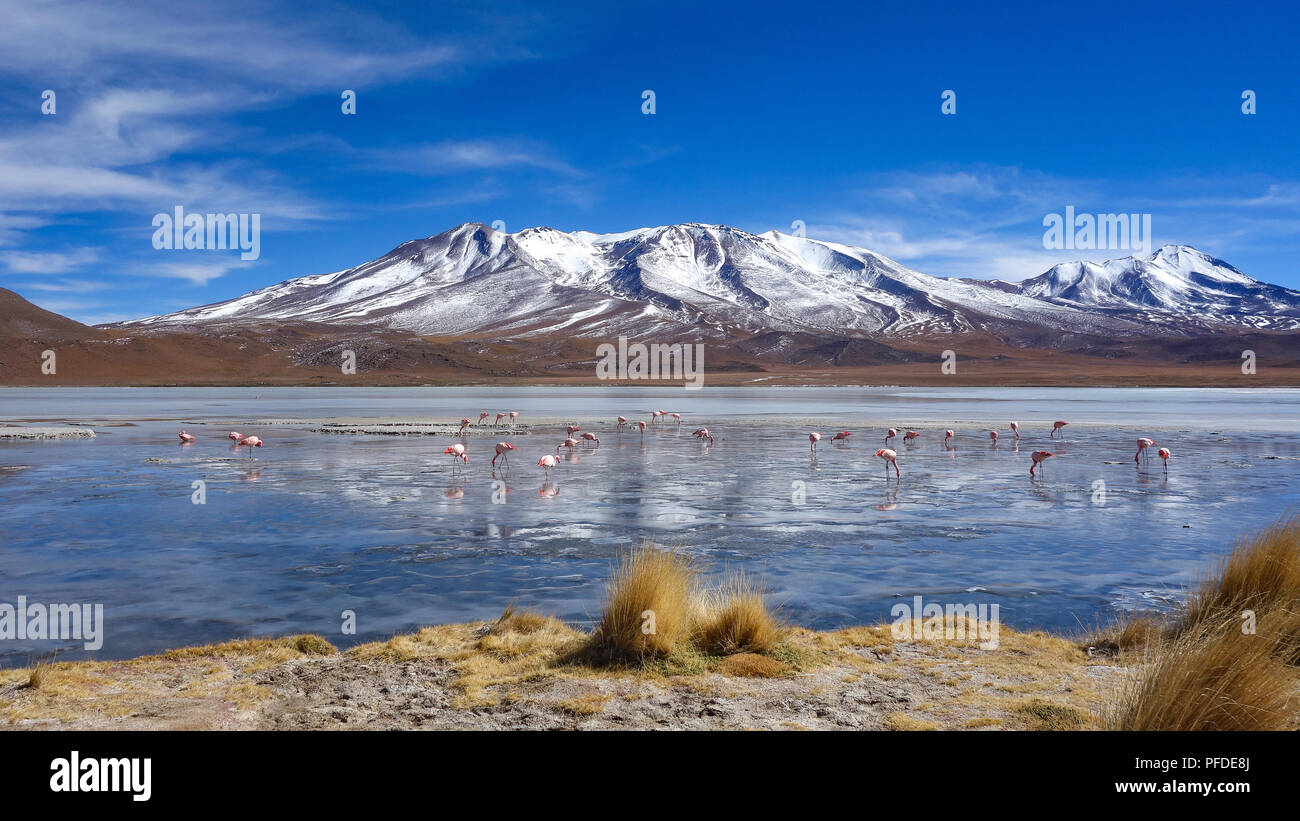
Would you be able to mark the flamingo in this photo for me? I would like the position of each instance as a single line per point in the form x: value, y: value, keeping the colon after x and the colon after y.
x: 481, y: 417
x: 187, y: 438
x: 813, y: 439
x: 547, y: 462
x: 513, y: 416
x: 910, y: 435
x: 889, y: 457
x: 622, y: 420
x: 707, y: 435
x: 1143, y: 444
x: 567, y: 443
x: 641, y: 425
x: 890, y: 435
x: 234, y: 435
x: 946, y: 436
x: 249, y: 442
x: 994, y: 436
x: 500, y: 416
x: 844, y: 434
x: 1163, y: 453
x: 464, y: 423
x: 676, y: 416
x: 1037, y: 457
x: 591, y: 437
x: 503, y: 453
x: 1015, y: 429
x: 457, y: 451
x: 573, y: 429
x: 654, y: 416
x: 700, y: 432
x: 1057, y: 426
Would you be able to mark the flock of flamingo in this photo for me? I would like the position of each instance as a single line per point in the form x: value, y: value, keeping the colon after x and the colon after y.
x: 460, y: 456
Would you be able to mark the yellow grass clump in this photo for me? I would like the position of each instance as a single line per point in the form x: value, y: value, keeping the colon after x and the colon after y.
x: 737, y: 620
x: 650, y: 607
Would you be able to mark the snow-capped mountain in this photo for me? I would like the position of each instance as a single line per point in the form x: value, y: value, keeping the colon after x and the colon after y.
x: 717, y: 281
x: 1175, y: 284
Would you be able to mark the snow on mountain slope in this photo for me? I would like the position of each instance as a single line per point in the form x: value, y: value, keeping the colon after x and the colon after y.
x: 712, y: 280
x: 1175, y: 284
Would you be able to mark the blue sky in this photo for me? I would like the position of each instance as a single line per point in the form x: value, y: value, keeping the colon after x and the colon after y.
x: 765, y: 114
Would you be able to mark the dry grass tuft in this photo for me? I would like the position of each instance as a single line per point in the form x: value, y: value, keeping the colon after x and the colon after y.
x: 908, y: 722
x: 1044, y: 715
x: 313, y: 645
x: 1133, y: 632
x: 650, y: 607
x: 737, y: 620
x: 1213, y: 678
x: 37, y: 677
x: 1262, y: 574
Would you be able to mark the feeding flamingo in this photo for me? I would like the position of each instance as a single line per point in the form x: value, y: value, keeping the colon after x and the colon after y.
x: 1037, y: 457
x: 513, y: 416
x: 503, y: 453
x: 641, y: 425
x: 1015, y: 429
x: 844, y: 434
x: 994, y: 436
x: 1057, y: 426
x: 676, y: 416
x: 1143, y: 444
x: 234, y: 435
x: 890, y: 434
x: 464, y: 423
x: 567, y: 443
x: 591, y: 437
x: 1163, y: 453
x: 500, y: 416
x: 946, y: 436
x: 654, y: 416
x: 813, y: 439
x: 457, y: 451
x: 910, y: 435
x: 622, y: 420
x: 481, y: 417
x: 700, y: 432
x: 889, y: 457
x: 187, y: 438
x: 547, y: 462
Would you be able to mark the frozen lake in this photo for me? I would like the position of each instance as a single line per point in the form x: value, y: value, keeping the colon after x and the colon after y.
x: 315, y: 524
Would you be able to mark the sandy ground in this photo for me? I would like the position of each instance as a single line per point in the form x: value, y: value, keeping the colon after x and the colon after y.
x: 475, y: 676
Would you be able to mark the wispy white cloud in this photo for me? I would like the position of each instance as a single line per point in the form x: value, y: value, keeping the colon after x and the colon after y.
x: 49, y: 262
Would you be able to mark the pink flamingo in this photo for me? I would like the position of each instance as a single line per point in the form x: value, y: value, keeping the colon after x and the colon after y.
x: 187, y: 438
x: 591, y: 437
x: 1143, y: 444
x: 1057, y: 426
x: 844, y: 434
x: 889, y: 457
x: 513, y: 416
x: 994, y: 436
x: 890, y: 434
x: 249, y: 442
x: 500, y: 416
x: 676, y: 416
x: 641, y: 425
x: 622, y: 420
x: 700, y: 432
x: 1037, y: 457
x: 706, y: 435
x: 234, y: 435
x: 481, y: 417
x: 464, y: 423
x: 654, y: 416
x: 457, y: 451
x: 567, y: 443
x: 1163, y: 453
x: 547, y: 462
x: 573, y: 429
x: 910, y: 435
x: 813, y: 439
x: 946, y: 436
x: 1015, y: 429
x: 503, y: 453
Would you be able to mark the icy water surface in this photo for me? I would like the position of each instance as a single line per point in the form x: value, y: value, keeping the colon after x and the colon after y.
x: 314, y: 524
